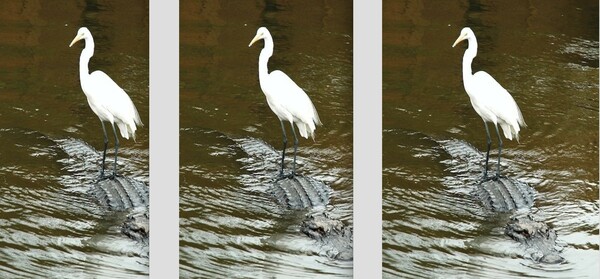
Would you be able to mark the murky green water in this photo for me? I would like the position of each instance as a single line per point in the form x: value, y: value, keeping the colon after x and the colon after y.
x: 228, y: 228
x: 50, y: 227
x: 546, y: 55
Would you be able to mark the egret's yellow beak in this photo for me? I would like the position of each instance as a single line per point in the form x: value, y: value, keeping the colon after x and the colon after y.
x: 77, y: 38
x: 460, y: 38
x: 256, y: 38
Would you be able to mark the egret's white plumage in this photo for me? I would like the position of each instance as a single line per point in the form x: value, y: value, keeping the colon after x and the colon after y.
x: 285, y: 98
x: 106, y: 99
x: 489, y: 99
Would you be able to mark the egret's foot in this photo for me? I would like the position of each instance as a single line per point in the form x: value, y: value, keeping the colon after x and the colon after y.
x: 114, y: 175
x: 485, y: 178
x: 498, y: 176
x: 281, y: 176
x: 102, y: 177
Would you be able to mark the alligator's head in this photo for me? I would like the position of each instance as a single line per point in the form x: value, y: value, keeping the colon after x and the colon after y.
x: 319, y: 226
x: 536, y: 235
x: 525, y: 228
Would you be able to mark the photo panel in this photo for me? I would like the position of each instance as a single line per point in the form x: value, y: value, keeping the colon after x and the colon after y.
x: 490, y: 139
x: 247, y: 70
x: 65, y: 68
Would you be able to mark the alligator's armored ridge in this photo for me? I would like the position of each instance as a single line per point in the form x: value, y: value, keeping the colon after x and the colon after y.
x: 300, y: 192
x: 121, y: 193
x: 505, y: 194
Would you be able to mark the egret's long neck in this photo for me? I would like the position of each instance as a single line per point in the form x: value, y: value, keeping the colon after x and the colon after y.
x: 470, y: 53
x: 263, y: 58
x: 84, y: 59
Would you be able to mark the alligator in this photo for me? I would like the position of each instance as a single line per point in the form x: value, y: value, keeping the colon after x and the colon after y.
x: 503, y: 194
x: 297, y: 193
x: 121, y: 193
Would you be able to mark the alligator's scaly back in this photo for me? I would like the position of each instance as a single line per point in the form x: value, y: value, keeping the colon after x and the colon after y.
x: 501, y: 195
x: 122, y: 193
x: 505, y: 194
x: 301, y: 192
x: 295, y: 193
x: 119, y: 194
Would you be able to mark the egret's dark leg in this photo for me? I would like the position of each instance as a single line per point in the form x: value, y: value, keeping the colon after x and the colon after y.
x: 499, y: 151
x: 104, y: 153
x: 284, y: 146
x: 295, y: 149
x: 487, y: 154
x: 116, y: 150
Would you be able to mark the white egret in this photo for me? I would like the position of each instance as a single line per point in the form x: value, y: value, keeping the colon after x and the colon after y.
x: 489, y: 99
x: 106, y: 99
x: 286, y: 99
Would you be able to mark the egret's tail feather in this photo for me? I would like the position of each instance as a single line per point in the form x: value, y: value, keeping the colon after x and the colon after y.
x: 311, y: 130
x: 507, y: 130
x: 316, y: 118
x: 515, y: 130
x: 127, y: 130
x: 317, y: 121
x: 306, y: 130
x: 137, y: 119
x: 130, y: 127
x: 521, y: 121
x: 124, y: 130
x: 510, y: 130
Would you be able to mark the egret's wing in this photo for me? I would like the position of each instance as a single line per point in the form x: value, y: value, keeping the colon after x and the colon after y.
x: 113, y: 98
x: 496, y: 99
x: 293, y: 98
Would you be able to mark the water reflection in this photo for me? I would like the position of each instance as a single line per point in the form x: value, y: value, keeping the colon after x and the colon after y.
x: 225, y: 223
x: 49, y: 226
x: 547, y: 57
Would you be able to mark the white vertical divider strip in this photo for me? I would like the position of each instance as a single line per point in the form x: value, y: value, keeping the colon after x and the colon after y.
x: 164, y: 139
x: 367, y: 138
